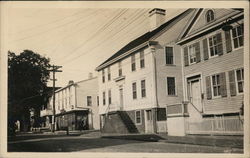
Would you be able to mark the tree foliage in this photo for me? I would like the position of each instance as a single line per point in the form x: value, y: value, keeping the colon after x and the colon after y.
x: 27, y: 80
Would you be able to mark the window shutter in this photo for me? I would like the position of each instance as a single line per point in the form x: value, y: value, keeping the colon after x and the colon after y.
x: 228, y: 41
x: 232, y: 83
x: 186, y: 56
x: 220, y: 45
x: 208, y: 88
x: 197, y: 51
x: 205, y: 49
x: 223, y: 84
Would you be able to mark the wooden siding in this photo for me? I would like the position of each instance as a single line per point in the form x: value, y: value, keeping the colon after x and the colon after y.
x: 168, y: 38
x: 201, y: 21
x: 219, y: 64
x: 89, y: 88
x: 139, y: 74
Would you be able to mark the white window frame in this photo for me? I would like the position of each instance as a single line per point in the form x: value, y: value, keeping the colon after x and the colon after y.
x: 109, y: 97
x: 144, y: 88
x: 104, y: 98
x: 209, y: 52
x: 142, y: 52
x: 165, y: 47
x: 138, y: 123
x: 103, y: 75
x: 175, y: 95
x: 189, y: 54
x: 134, y: 90
x: 212, y: 86
x: 207, y: 14
x: 90, y: 100
x: 109, y: 73
x: 133, y: 61
x: 232, y: 38
x: 236, y: 81
x: 120, y: 68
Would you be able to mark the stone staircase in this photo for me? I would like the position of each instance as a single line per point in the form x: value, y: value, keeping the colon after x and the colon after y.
x: 119, y: 122
x: 128, y: 122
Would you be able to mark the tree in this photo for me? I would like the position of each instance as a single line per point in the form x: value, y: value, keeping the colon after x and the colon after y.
x: 27, y: 80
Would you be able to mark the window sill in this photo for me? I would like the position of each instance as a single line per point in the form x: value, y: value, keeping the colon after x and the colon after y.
x: 170, y: 65
x: 172, y: 95
x: 235, y: 49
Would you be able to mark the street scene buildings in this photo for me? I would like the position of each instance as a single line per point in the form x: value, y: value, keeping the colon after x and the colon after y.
x: 181, y: 81
x: 76, y: 106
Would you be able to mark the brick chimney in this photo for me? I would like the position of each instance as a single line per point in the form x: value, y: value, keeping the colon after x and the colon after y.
x: 156, y: 18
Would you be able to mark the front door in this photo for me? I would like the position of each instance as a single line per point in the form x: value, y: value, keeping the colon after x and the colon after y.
x: 121, y: 98
x: 149, y: 121
x: 195, y: 105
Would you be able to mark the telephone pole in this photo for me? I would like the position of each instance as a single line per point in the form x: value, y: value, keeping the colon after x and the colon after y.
x: 54, y: 70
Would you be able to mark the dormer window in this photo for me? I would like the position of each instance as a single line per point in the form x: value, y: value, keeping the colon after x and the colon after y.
x: 209, y: 16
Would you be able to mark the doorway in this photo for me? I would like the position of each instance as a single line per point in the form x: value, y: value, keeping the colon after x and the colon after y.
x: 195, y: 99
x: 149, y: 121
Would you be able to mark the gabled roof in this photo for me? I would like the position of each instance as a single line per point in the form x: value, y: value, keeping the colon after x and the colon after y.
x: 193, y: 31
x: 140, y: 40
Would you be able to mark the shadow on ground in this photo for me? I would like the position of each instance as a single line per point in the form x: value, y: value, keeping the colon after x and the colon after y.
x: 65, y: 144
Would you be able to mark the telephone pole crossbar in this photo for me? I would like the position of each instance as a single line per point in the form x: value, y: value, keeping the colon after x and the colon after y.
x: 54, y: 70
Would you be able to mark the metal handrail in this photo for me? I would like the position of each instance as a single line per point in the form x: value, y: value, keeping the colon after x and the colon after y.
x: 196, y: 107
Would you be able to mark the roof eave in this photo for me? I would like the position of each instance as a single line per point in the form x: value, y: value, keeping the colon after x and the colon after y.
x: 147, y: 43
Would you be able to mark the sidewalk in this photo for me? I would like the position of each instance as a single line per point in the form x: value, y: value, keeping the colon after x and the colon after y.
x: 220, y: 141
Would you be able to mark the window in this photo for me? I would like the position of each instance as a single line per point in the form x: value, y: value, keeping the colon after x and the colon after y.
x: 138, y: 117
x: 238, y: 38
x: 216, y: 85
x: 171, y: 85
x: 133, y: 66
x: 215, y: 45
x: 103, y: 98
x: 109, y: 75
x: 97, y: 99
x: 109, y: 95
x: 89, y: 101
x: 209, y: 16
x: 142, y: 61
x: 192, y: 54
x: 143, y: 88
x: 134, y: 90
x: 119, y: 68
x: 103, y: 76
x: 240, y: 80
x: 169, y: 55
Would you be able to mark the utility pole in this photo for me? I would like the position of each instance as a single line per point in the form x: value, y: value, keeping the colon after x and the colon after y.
x: 54, y: 70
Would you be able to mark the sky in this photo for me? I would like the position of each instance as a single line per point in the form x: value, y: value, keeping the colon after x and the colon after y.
x: 78, y: 39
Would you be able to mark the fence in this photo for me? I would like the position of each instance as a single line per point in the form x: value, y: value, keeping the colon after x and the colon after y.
x: 232, y: 125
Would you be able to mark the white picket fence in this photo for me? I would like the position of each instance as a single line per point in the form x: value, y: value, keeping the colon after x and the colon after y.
x: 216, y: 125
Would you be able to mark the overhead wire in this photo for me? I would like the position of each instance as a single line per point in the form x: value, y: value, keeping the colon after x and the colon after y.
x: 77, y: 57
x: 96, y: 33
x: 45, y: 24
x: 50, y: 29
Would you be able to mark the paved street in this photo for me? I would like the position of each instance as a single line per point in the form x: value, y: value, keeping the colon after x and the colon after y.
x: 96, y: 144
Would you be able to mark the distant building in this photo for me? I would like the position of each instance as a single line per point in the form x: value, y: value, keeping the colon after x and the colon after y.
x: 213, y: 74
x: 138, y: 82
x: 46, y: 110
x: 76, y: 105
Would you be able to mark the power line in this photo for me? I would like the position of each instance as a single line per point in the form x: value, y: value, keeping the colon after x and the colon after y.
x: 77, y: 57
x: 50, y: 29
x: 70, y: 35
x: 49, y: 23
x: 96, y: 33
x: 85, y: 19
